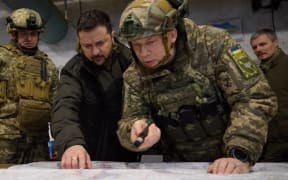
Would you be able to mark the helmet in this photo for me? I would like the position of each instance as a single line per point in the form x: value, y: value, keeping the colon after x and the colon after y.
x: 24, y: 19
x: 181, y: 6
x: 143, y: 18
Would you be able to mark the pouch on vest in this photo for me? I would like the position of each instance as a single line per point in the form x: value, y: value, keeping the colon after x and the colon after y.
x: 3, y: 93
x: 176, y: 133
x: 191, y: 123
x: 208, y: 149
x: 28, y: 79
x: 33, y: 115
x: 8, y: 110
x: 212, y: 115
x: 213, y: 125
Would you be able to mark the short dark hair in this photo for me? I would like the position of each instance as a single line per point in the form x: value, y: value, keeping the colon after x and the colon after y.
x: 269, y: 32
x: 93, y: 18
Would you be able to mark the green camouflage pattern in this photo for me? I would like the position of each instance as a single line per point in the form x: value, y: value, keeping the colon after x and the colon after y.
x: 187, y: 81
x: 145, y: 18
x: 15, y: 145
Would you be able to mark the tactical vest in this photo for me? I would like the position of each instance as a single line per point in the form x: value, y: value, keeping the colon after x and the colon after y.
x: 188, y: 106
x: 28, y: 82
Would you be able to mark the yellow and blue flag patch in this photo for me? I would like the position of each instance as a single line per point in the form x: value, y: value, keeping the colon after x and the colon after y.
x: 247, y: 67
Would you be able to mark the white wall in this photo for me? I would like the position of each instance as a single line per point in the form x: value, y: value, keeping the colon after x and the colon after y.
x: 206, y: 11
x: 202, y: 12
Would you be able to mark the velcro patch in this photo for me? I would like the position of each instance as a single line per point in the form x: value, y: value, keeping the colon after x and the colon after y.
x: 247, y: 67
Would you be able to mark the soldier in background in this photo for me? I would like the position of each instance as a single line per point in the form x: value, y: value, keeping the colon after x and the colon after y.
x: 194, y: 88
x: 28, y: 79
x: 274, y: 63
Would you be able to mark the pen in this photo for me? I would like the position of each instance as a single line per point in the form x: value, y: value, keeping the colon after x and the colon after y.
x: 50, y: 142
x: 140, y: 139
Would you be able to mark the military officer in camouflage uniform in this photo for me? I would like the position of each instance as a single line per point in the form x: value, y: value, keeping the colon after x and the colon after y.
x: 27, y: 81
x: 195, y: 87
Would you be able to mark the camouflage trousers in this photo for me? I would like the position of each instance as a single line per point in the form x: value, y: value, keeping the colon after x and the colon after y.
x: 23, y: 150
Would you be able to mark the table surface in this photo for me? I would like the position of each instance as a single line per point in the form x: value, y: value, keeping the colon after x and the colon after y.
x: 119, y: 170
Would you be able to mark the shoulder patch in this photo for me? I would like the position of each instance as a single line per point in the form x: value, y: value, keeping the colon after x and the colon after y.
x: 247, y: 67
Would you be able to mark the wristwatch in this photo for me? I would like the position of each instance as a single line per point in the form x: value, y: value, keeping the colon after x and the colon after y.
x: 240, y: 155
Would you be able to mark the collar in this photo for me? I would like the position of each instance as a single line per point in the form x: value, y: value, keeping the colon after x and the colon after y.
x: 25, y: 51
x: 272, y: 61
x: 12, y: 46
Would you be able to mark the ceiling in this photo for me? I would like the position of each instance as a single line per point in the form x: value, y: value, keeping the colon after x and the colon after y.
x: 72, y: 9
x: 69, y: 11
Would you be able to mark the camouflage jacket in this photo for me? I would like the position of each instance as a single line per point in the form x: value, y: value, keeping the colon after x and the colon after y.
x: 206, y: 56
x: 22, y: 89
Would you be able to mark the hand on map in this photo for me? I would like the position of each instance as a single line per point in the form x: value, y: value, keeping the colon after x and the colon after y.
x: 228, y: 166
x: 76, y: 157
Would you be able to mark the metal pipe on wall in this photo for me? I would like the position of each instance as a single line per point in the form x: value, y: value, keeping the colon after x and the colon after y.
x: 56, y: 26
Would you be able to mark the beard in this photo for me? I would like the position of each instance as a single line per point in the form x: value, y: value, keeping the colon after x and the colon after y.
x: 99, y: 60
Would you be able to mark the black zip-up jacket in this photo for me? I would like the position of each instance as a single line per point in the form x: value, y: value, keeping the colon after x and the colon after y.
x: 88, y: 105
